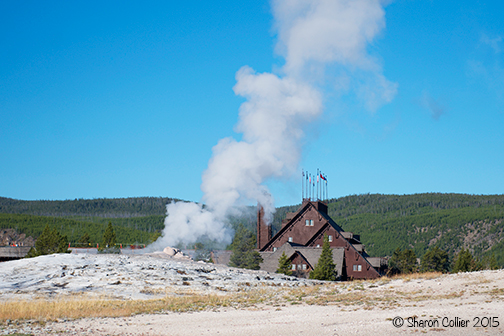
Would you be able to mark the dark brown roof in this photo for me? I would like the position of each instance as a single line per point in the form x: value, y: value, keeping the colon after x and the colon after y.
x: 304, y: 207
x: 311, y: 254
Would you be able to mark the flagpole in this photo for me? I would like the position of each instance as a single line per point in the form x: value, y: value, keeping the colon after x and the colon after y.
x: 302, y: 188
x: 322, y: 185
x: 327, y: 189
x: 327, y: 198
x: 306, y: 185
x: 309, y: 187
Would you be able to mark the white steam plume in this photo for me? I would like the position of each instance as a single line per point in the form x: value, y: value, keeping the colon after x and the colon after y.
x: 271, y: 121
x: 311, y: 35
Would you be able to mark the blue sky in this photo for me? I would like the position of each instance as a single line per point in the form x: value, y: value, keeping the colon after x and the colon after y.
x: 122, y: 99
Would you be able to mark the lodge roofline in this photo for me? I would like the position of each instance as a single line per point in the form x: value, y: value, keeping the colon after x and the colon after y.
x: 318, y: 205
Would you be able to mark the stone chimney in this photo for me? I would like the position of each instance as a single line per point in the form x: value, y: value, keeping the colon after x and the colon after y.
x: 263, y: 230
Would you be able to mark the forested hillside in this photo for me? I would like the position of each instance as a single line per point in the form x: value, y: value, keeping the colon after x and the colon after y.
x: 74, y: 230
x: 421, y: 221
x: 99, y: 207
x: 384, y: 222
x: 136, y: 220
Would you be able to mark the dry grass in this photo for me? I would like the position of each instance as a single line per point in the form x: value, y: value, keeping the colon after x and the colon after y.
x: 49, y: 310
x: 417, y: 276
x: 363, y: 294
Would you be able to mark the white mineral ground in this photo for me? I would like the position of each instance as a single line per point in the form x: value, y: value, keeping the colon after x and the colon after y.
x: 365, y: 307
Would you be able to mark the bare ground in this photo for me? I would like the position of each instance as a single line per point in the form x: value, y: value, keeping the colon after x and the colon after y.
x: 455, y: 304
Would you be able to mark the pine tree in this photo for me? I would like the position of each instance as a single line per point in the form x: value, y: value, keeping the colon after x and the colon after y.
x: 109, y: 236
x: 284, y: 265
x: 465, y: 262
x: 243, y: 247
x: 85, y: 240
x: 492, y: 263
x: 325, y: 268
x: 403, y: 262
x: 435, y: 260
x: 109, y: 241
x: 49, y: 242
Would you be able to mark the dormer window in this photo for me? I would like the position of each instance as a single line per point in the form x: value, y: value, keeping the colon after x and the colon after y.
x: 311, y: 222
x: 307, y: 222
x: 290, y: 239
x: 329, y: 238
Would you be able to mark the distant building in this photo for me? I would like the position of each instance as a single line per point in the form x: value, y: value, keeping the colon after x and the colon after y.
x: 301, y: 237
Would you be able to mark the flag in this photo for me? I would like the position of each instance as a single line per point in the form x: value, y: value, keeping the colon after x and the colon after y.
x: 322, y: 177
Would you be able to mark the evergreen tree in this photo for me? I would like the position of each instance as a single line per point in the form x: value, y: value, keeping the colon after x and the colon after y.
x: 49, y: 242
x: 109, y: 236
x: 408, y: 262
x: 284, y: 265
x: 393, y: 263
x: 403, y: 262
x: 243, y: 246
x: 85, y: 240
x: 492, y: 263
x: 465, y: 262
x: 435, y: 260
x: 325, y: 268
x: 109, y: 241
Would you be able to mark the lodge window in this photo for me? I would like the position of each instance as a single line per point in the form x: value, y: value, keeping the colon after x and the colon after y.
x: 293, y: 267
x: 299, y: 266
x: 330, y: 238
x: 304, y: 266
x: 290, y: 239
x: 307, y: 222
x: 274, y: 249
x: 311, y: 222
x: 357, y: 268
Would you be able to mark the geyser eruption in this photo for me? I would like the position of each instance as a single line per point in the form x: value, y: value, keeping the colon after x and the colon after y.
x: 271, y: 121
x: 311, y: 36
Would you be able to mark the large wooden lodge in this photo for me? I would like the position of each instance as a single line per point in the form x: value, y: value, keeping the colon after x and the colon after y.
x: 301, y: 237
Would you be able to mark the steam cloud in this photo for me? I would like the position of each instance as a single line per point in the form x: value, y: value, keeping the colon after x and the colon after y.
x: 311, y: 36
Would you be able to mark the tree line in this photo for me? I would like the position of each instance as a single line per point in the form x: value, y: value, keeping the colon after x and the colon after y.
x: 52, y: 241
x: 420, y: 221
x: 74, y: 230
x: 103, y: 207
x: 438, y: 260
x: 384, y: 222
